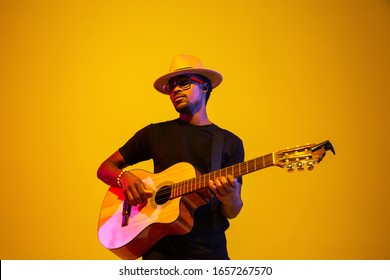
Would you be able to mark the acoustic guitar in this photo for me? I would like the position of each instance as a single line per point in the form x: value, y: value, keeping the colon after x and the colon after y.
x: 129, y: 231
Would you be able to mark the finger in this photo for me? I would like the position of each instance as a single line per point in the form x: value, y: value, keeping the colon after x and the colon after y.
x: 129, y: 197
x: 232, y: 180
x: 138, y: 192
x: 132, y: 194
x: 221, y: 191
x: 217, y: 182
x: 213, y: 187
x: 226, y: 185
x: 147, y: 191
x: 219, y: 186
x: 144, y: 192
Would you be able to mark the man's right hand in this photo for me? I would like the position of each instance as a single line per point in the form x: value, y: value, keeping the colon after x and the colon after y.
x: 134, y: 190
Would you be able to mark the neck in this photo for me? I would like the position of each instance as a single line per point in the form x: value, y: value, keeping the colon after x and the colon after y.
x: 199, y: 118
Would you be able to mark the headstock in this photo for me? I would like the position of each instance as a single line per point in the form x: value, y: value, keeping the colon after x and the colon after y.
x: 302, y: 156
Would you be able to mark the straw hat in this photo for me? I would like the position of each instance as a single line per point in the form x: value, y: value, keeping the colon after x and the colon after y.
x: 184, y: 65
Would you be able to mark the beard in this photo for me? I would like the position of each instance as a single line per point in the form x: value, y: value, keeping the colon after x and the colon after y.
x: 188, y: 108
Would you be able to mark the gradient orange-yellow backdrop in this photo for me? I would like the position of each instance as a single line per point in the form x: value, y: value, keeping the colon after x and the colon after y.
x: 76, y: 82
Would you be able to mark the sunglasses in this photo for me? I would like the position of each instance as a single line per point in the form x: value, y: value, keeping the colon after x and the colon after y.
x: 184, y: 82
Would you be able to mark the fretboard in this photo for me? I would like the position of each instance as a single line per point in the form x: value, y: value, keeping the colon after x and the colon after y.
x: 236, y: 170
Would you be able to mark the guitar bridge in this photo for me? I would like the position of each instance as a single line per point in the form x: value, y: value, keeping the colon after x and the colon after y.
x: 126, y: 211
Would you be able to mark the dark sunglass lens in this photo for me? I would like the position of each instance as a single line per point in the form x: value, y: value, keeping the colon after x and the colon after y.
x: 183, y: 82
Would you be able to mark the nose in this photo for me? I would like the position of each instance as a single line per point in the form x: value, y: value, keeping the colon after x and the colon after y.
x: 176, y: 90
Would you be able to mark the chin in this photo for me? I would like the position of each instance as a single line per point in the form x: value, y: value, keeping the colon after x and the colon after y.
x: 182, y: 110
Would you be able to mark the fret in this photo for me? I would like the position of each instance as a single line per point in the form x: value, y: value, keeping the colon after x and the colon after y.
x: 254, y: 165
x: 192, y: 184
x: 172, y: 188
x: 231, y: 171
x: 236, y: 170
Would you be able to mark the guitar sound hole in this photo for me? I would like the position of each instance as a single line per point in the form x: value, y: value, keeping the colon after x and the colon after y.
x: 163, y: 195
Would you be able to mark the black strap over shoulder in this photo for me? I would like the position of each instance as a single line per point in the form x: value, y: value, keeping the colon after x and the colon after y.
x: 216, y: 150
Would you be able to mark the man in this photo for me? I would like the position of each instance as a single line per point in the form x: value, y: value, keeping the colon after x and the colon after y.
x: 186, y: 139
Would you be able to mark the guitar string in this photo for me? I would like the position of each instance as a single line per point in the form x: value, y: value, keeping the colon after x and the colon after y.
x: 200, y: 181
x: 180, y: 188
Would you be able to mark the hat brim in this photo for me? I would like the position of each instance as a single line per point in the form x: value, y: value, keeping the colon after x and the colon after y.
x: 214, y: 77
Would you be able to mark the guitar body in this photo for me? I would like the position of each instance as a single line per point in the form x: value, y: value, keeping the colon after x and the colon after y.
x: 149, y: 223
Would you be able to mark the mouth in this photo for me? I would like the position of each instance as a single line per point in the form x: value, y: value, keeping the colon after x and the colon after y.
x: 178, y: 98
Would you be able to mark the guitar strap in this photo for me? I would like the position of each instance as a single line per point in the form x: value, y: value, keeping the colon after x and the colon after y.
x: 216, y: 149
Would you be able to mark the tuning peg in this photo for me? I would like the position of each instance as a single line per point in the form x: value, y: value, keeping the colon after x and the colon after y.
x: 290, y: 168
x: 310, y: 166
x: 300, y: 168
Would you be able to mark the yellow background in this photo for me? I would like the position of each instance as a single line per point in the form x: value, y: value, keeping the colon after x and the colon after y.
x: 76, y: 82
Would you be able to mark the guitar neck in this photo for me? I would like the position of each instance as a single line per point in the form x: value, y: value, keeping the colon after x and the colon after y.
x: 236, y: 170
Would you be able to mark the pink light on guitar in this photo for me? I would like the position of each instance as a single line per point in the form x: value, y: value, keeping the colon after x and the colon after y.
x: 129, y: 231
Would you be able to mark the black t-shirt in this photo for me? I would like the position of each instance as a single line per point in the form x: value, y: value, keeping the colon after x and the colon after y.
x: 168, y: 143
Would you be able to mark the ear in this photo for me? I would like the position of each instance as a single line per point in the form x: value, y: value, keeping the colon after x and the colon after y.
x: 205, y: 87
